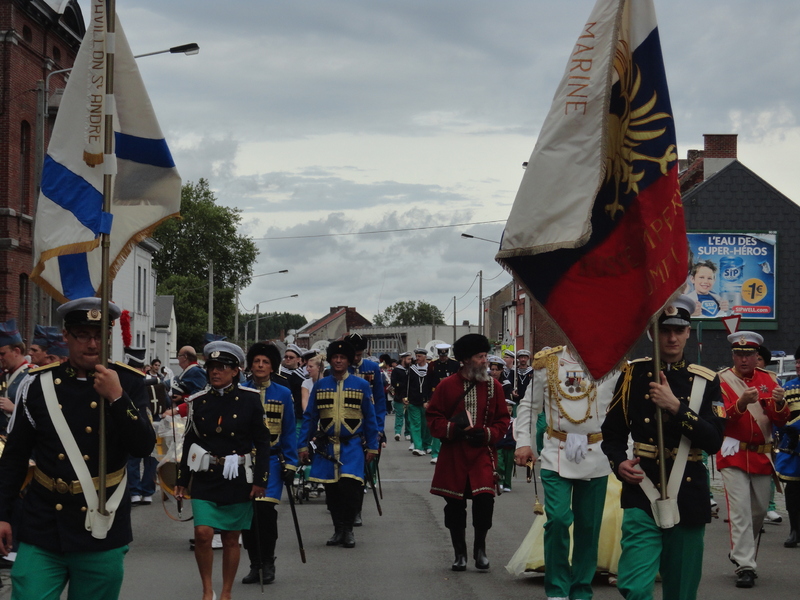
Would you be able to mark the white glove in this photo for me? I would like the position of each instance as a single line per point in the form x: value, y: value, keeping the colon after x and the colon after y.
x: 730, y: 446
x: 576, y: 447
x: 231, y: 468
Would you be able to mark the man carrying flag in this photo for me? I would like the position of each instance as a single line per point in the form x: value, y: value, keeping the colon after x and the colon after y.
x: 597, y: 233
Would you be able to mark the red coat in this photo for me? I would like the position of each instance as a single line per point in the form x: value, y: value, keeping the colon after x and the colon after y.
x: 743, y: 426
x: 460, y: 463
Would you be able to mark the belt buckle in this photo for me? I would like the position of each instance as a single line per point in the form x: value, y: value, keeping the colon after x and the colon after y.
x: 62, y: 487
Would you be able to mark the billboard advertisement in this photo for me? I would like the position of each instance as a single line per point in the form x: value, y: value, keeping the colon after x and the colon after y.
x: 732, y: 273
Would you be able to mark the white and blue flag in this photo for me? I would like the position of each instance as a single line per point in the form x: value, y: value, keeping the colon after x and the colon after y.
x: 147, y: 187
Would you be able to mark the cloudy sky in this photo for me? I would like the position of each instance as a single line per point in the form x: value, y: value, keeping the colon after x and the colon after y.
x: 354, y: 116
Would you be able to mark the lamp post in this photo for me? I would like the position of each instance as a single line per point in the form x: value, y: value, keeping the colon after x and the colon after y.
x: 236, y: 302
x: 264, y: 302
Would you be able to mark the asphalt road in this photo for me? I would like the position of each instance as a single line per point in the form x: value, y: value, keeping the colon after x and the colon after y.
x: 406, y: 552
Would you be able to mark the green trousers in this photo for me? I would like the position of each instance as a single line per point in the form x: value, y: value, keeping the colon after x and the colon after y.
x: 400, y: 418
x: 43, y: 575
x: 576, y: 502
x: 420, y: 434
x: 505, y: 466
x: 541, y: 427
x: 676, y: 553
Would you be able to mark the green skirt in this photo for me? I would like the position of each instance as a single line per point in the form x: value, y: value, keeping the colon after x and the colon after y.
x: 227, y: 517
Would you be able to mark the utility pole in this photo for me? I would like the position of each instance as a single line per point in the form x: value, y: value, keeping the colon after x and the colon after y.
x: 211, y: 296
x: 455, y: 321
x: 480, y: 302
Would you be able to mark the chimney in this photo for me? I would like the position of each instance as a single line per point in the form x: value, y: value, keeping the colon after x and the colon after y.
x: 718, y: 152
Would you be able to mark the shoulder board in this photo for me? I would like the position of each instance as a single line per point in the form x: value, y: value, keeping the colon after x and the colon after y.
x: 195, y: 395
x: 243, y: 386
x: 638, y: 360
x: 44, y: 368
x: 538, y: 358
x: 128, y: 368
x: 721, y: 371
x: 703, y: 372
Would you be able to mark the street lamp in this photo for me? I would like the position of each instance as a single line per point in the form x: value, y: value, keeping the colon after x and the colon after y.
x: 475, y: 237
x: 264, y: 302
x: 187, y: 49
x: 236, y: 301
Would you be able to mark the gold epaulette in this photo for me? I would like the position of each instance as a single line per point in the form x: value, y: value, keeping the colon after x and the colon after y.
x: 44, y: 368
x: 721, y: 371
x: 703, y: 372
x: 539, y: 358
x: 131, y: 369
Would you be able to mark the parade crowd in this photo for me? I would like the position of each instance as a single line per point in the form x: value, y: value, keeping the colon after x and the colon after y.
x: 623, y: 463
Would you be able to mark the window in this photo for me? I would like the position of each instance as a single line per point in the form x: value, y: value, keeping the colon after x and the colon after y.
x: 25, y: 168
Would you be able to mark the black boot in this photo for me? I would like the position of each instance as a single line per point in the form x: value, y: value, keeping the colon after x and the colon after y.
x: 791, y: 541
x: 336, y: 538
x: 252, y: 576
x: 357, y: 522
x: 479, y: 550
x: 348, y: 539
x: 459, y: 539
x: 269, y: 569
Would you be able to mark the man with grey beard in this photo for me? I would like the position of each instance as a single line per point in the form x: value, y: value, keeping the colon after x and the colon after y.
x: 468, y: 414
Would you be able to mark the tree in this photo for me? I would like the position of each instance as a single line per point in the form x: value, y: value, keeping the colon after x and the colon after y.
x: 206, y: 232
x: 409, y: 312
x: 270, y: 325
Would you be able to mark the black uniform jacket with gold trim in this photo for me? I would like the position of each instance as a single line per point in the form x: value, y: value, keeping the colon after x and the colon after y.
x: 226, y: 423
x: 633, y: 412
x: 50, y: 519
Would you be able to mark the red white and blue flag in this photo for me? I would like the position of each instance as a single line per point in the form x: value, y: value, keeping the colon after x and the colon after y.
x: 147, y: 188
x: 597, y: 233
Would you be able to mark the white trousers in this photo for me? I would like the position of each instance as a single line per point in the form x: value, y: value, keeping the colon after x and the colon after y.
x: 748, y: 498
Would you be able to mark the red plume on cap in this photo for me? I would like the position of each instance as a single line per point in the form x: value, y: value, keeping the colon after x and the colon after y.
x: 125, y: 325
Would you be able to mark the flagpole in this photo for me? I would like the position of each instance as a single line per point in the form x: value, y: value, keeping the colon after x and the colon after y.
x: 105, y: 243
x: 662, y: 463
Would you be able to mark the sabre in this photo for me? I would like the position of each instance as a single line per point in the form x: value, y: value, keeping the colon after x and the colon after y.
x: 294, y: 512
x: 538, y: 508
x: 368, y: 476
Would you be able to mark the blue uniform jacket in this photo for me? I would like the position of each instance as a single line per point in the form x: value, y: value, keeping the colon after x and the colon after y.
x: 279, y: 416
x: 345, y: 413
x: 787, y: 458
x: 371, y: 372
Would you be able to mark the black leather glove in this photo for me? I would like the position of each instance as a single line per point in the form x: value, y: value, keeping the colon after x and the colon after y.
x: 288, y: 476
x: 476, y: 437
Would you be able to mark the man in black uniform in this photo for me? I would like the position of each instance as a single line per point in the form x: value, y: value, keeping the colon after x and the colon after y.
x: 438, y: 370
x: 399, y: 388
x: 62, y: 536
x: 664, y: 536
x: 292, y: 372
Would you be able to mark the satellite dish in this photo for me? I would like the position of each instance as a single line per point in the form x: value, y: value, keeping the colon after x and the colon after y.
x: 431, y: 346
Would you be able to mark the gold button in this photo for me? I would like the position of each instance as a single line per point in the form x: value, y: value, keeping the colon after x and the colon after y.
x: 57, y: 380
x: 651, y: 440
x: 202, y: 418
x: 135, y: 417
x: 93, y: 405
x: 59, y: 507
x: 85, y: 457
x: 688, y: 479
x: 691, y: 378
x: 647, y: 419
x: 88, y: 430
x: 231, y: 434
x: 647, y: 396
x: 234, y: 416
x: 59, y: 406
x: 649, y: 374
x: 83, y: 509
x: 61, y: 456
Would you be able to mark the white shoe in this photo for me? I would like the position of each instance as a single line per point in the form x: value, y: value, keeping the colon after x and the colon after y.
x: 216, y: 541
x: 434, y: 460
x: 408, y: 437
x: 773, y: 518
x: 136, y: 499
x: 417, y: 452
x: 428, y: 451
x: 559, y: 598
x: 396, y: 437
x: 411, y: 447
x: 147, y: 500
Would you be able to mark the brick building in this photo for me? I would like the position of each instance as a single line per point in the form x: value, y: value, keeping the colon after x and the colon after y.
x: 35, y: 40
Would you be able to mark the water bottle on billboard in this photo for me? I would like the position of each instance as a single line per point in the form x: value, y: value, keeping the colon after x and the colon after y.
x: 732, y: 276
